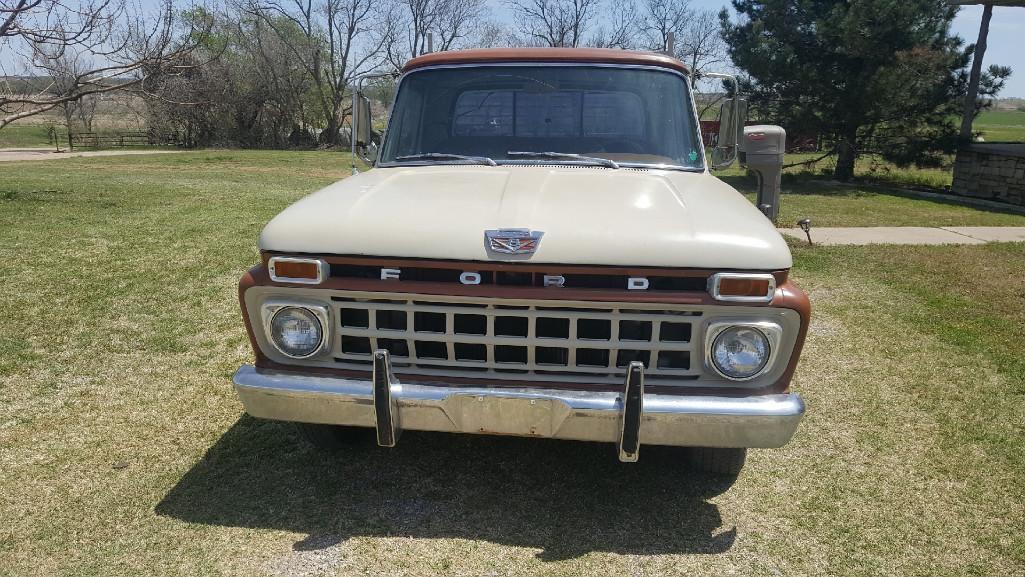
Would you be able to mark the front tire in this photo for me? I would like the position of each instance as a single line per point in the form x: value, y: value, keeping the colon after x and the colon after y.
x: 332, y: 438
x: 716, y: 461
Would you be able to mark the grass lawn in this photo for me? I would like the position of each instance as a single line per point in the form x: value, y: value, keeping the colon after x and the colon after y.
x: 1001, y: 125
x: 19, y: 135
x: 124, y: 450
x: 867, y: 205
x: 808, y: 191
x: 863, y: 203
x: 867, y: 170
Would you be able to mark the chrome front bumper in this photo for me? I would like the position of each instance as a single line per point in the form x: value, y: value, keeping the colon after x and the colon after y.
x: 389, y: 406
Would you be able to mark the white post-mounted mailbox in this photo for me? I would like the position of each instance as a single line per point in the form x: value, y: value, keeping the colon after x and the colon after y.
x: 762, y: 152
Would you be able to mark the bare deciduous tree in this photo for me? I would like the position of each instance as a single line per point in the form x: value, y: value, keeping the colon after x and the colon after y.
x: 64, y: 69
x: 698, y: 40
x: 448, y: 21
x: 456, y: 20
x: 661, y: 18
x: 491, y: 34
x: 287, y: 85
x: 702, y: 45
x: 124, y: 46
x: 618, y: 29
x: 340, y: 39
x: 555, y: 23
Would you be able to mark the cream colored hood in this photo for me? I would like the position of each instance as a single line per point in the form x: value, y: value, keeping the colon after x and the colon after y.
x: 587, y: 215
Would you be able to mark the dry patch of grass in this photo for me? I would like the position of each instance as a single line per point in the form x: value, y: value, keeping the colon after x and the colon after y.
x: 124, y: 450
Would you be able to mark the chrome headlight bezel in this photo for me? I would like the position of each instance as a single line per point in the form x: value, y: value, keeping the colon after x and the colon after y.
x: 773, y: 333
x: 320, y: 312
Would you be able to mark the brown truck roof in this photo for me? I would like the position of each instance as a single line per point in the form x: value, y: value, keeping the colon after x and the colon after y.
x: 588, y: 55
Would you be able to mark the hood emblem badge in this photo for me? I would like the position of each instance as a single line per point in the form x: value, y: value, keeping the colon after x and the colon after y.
x: 512, y: 240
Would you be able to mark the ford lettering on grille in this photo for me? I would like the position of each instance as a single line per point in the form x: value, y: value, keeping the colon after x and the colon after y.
x: 513, y: 240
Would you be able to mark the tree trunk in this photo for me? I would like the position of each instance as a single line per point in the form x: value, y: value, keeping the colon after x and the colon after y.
x: 66, y: 109
x: 847, y: 153
x: 973, y: 79
x: 330, y: 134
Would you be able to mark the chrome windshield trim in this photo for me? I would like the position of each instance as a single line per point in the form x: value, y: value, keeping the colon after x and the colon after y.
x: 686, y: 81
x: 536, y: 163
x: 633, y: 165
x: 548, y: 64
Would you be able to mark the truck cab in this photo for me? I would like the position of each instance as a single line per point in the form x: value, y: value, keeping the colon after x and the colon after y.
x: 539, y: 250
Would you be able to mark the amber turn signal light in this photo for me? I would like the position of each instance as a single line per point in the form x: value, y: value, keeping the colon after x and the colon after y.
x: 750, y: 287
x: 297, y: 270
x: 743, y: 287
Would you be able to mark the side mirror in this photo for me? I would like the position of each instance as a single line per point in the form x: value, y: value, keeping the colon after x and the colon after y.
x: 361, y: 135
x: 727, y: 124
x: 732, y: 115
x: 361, y: 119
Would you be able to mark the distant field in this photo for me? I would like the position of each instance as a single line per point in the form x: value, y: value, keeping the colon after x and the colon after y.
x: 24, y: 136
x: 1001, y: 125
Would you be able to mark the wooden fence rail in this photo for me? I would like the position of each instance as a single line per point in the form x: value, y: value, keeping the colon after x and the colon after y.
x: 121, y: 139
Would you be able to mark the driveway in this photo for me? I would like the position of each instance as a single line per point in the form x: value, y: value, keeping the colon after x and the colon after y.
x: 17, y: 154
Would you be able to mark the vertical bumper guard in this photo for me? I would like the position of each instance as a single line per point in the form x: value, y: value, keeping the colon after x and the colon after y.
x: 633, y: 407
x: 385, y: 406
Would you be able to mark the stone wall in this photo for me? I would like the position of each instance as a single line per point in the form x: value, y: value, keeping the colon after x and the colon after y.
x: 992, y: 172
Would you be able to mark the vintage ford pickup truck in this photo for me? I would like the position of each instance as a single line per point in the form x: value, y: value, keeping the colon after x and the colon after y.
x: 539, y: 250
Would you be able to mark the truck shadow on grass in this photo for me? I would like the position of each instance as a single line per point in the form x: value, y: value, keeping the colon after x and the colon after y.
x: 565, y: 498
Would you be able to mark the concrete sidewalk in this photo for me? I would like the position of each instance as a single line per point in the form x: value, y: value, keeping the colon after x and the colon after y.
x: 910, y: 234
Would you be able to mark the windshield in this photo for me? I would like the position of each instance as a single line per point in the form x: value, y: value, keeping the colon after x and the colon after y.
x: 587, y: 115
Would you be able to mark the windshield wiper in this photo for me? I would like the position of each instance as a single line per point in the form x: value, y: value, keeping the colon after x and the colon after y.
x: 447, y: 156
x: 592, y: 159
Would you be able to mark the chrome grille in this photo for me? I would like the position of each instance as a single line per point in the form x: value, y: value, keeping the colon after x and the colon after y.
x: 525, y: 340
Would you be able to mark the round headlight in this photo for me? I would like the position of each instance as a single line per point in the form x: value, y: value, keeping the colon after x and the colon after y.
x: 740, y: 352
x: 296, y: 332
